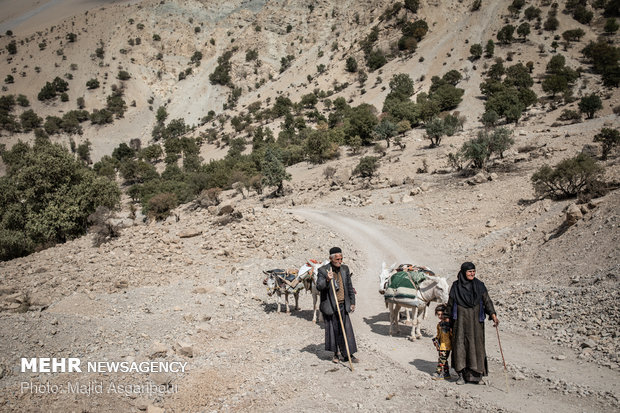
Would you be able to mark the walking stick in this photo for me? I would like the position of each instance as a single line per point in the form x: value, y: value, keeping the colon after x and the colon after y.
x: 344, y: 333
x: 503, y: 360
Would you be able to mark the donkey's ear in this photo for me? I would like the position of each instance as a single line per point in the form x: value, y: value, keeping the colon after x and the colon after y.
x: 393, y: 266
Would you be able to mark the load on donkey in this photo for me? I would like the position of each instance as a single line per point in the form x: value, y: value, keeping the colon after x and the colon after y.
x: 291, y: 282
x: 411, y: 286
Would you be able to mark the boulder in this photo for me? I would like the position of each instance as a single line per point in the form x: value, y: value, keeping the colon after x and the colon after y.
x: 184, y: 348
x: 158, y: 350
x: 190, y: 233
x: 226, y: 210
x: 573, y: 214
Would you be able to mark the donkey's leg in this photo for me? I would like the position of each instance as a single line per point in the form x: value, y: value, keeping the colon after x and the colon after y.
x: 314, y: 309
x: 278, y: 298
x: 408, y: 316
x: 414, y: 325
x: 296, y: 300
x: 418, y: 332
x: 288, y: 310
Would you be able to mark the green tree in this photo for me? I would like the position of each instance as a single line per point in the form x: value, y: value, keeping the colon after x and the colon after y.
x: 611, y: 26
x: 532, y: 13
x: 92, y: 84
x: 609, y: 138
x: 475, y: 51
x: 477, y: 150
x: 505, y: 34
x: 489, y: 118
x: 583, y: 15
x: 367, y: 167
x: 319, y: 147
x: 161, y: 115
x: 221, y: 73
x: 489, y: 49
x: 523, y: 30
x: 12, y: 47
x: 273, y: 170
x: 361, y: 121
x: 30, y: 120
x: 568, y: 178
x: 590, y: 105
x: 412, y: 5
x: 122, y: 152
x: 604, y: 59
x: 573, y: 35
x: 500, y: 140
x: 435, y: 130
x: 47, y: 198
x: 83, y: 152
x: 351, y: 64
x: 551, y: 24
x: 555, y: 84
x: 385, y: 130
x: 401, y: 86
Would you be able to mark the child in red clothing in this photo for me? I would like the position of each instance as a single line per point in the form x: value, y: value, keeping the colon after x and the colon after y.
x: 443, y: 343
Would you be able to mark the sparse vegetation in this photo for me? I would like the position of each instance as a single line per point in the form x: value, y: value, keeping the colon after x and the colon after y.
x: 568, y: 178
x: 37, y: 208
x: 609, y: 139
x: 367, y: 167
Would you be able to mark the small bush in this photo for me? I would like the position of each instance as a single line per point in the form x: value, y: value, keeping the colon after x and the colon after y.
x: 367, y: 166
x: 123, y: 75
x: 568, y: 178
x: 609, y: 138
x: 590, y: 105
x: 92, y: 84
x: 160, y: 205
x: 101, y: 227
x: 570, y: 115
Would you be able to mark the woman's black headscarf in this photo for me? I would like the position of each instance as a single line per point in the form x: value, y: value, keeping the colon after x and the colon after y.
x: 464, y: 292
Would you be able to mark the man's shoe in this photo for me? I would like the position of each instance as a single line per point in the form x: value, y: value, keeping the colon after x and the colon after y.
x: 353, y: 359
x: 447, y: 376
x: 438, y: 376
x: 336, y: 359
x: 460, y: 380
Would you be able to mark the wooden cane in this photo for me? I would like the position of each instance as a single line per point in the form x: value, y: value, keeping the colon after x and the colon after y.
x: 344, y: 333
x: 503, y: 360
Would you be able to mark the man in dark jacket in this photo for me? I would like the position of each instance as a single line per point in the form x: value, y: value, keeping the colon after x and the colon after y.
x: 339, y: 275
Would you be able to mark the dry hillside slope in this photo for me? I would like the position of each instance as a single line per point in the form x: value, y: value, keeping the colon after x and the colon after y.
x: 189, y: 288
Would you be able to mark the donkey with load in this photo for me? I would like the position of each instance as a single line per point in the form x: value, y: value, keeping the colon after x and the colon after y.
x: 411, y: 286
x: 283, y: 282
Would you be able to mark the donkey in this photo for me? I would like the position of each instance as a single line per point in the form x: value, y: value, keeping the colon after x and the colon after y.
x: 434, y: 288
x: 276, y: 283
x: 312, y: 267
x: 384, y: 279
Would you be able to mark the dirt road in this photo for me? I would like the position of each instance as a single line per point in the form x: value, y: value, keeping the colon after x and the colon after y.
x: 536, y: 380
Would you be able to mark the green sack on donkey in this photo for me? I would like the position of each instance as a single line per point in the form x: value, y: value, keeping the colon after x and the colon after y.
x: 403, y: 287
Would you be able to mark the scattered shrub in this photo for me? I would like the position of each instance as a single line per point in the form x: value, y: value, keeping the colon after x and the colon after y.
x: 160, y: 205
x: 568, y: 178
x: 367, y: 167
x: 609, y: 139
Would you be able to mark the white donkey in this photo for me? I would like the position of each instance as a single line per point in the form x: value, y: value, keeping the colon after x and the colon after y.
x: 276, y: 283
x: 433, y: 288
x: 311, y: 267
x: 384, y: 278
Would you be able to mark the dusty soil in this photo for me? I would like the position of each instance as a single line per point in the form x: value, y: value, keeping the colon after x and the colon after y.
x: 190, y: 289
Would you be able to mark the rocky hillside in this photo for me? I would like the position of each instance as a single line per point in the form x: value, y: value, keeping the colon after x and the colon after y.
x: 189, y: 287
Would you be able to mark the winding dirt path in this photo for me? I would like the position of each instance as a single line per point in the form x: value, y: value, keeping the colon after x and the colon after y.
x: 579, y: 384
